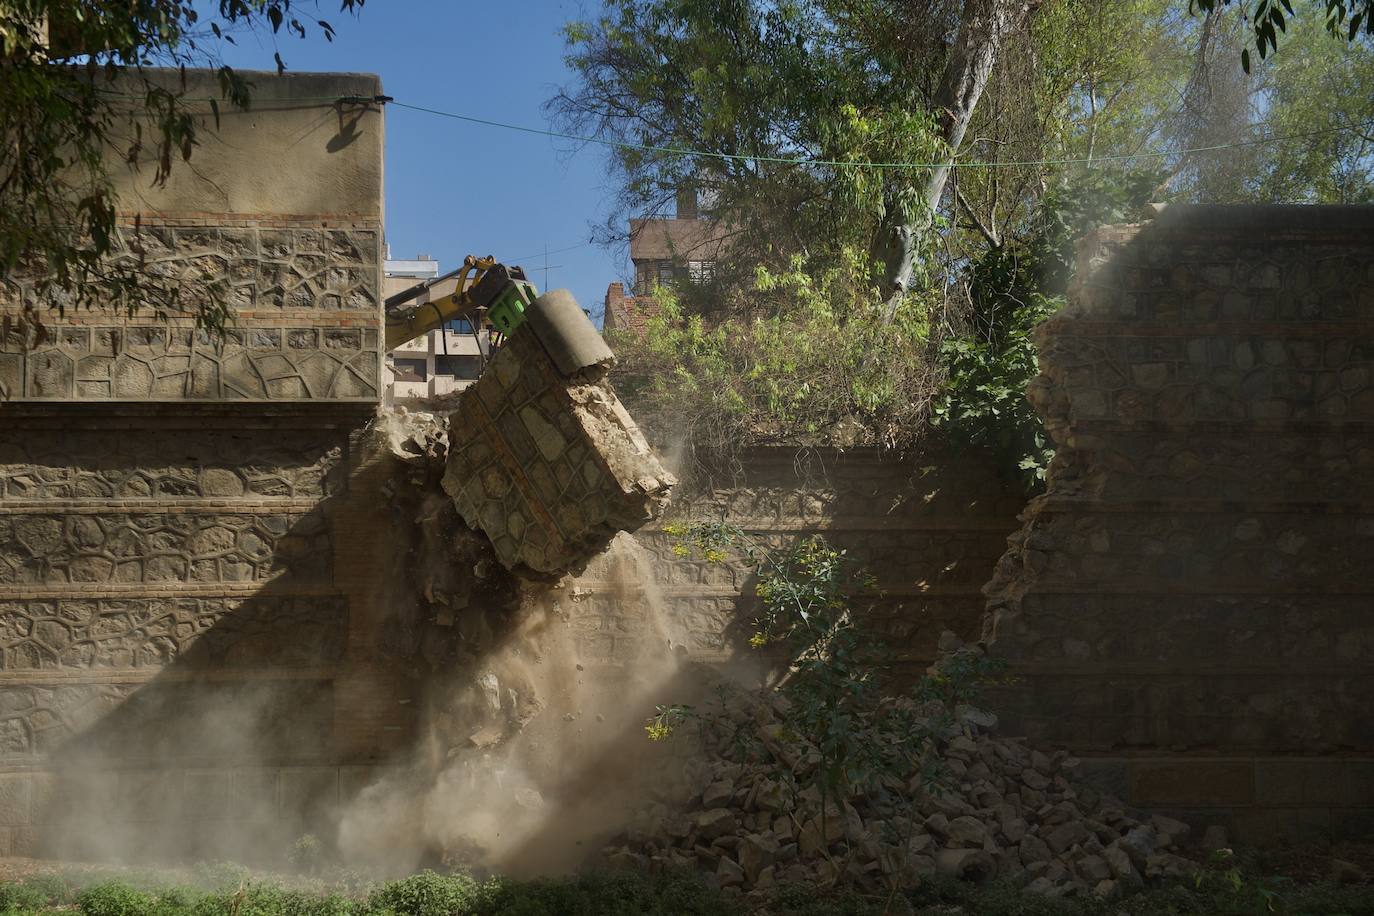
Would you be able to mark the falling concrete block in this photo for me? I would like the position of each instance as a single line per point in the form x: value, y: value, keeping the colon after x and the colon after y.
x: 543, y: 458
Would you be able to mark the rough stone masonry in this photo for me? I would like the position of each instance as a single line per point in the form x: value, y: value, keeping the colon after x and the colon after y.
x: 1189, y: 602
x: 543, y: 458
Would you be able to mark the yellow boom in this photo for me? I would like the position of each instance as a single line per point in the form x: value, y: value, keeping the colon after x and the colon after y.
x: 417, y: 314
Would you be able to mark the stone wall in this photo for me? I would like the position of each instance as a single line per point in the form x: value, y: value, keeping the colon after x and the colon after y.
x: 193, y: 546
x: 1188, y: 603
x: 194, y: 601
x: 929, y: 527
x: 547, y: 463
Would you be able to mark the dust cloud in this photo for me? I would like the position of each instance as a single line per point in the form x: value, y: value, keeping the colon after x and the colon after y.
x: 537, y: 752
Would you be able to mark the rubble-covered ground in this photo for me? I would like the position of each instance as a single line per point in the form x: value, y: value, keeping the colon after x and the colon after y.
x: 992, y: 809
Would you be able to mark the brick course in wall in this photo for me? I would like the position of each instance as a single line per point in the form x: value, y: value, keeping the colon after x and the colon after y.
x: 1189, y: 602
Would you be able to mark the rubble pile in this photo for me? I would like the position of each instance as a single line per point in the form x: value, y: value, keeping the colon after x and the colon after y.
x: 994, y: 808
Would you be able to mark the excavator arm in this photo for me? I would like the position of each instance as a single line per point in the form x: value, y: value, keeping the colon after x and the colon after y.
x: 482, y: 290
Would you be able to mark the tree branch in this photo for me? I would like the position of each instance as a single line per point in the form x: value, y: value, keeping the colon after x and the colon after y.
x: 983, y: 228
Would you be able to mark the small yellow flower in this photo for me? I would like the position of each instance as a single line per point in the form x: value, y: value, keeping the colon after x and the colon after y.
x: 758, y: 640
x: 681, y: 550
x: 658, y: 731
x: 715, y: 556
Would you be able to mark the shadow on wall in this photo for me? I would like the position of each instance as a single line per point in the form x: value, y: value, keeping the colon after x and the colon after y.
x: 227, y: 753
x: 269, y: 716
x: 246, y: 737
x: 217, y: 559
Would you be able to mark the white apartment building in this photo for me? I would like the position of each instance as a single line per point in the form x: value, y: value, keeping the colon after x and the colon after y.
x: 444, y: 361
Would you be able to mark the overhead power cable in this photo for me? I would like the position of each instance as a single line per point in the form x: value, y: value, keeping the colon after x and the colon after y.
x: 540, y: 254
x: 796, y: 160
x: 846, y: 163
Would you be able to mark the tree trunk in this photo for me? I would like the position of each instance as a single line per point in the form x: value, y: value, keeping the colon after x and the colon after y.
x: 982, y: 29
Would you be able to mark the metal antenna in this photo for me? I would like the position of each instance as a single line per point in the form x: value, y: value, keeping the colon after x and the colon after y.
x: 547, y: 267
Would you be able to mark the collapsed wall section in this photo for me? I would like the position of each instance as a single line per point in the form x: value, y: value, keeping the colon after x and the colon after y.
x: 1188, y: 601
x: 543, y: 459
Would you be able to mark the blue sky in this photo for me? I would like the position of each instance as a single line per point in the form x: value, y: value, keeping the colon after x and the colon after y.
x: 454, y: 188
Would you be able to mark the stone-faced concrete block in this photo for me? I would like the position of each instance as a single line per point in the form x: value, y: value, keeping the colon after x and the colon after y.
x: 1168, y: 783
x: 1287, y: 826
x: 16, y: 799
x: 1359, y: 783
x: 1298, y: 782
x: 560, y: 466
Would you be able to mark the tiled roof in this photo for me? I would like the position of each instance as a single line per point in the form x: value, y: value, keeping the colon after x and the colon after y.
x: 684, y: 239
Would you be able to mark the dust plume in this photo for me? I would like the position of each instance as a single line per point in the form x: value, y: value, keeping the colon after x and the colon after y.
x: 536, y: 750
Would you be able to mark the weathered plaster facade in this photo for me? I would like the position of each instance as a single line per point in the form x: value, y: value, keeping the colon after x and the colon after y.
x: 1189, y: 602
x: 278, y: 214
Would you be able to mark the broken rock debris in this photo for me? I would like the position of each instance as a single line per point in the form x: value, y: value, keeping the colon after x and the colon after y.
x: 996, y: 809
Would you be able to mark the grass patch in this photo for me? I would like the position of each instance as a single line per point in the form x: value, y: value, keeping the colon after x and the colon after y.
x: 232, y: 891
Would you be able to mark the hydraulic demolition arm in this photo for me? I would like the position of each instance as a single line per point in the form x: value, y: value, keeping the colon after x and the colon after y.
x: 483, y: 291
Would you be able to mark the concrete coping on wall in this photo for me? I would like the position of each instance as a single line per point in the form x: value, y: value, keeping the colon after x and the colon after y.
x: 1265, y: 219
x: 567, y: 334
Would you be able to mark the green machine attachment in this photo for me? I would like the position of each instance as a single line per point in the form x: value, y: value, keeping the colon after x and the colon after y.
x: 505, y: 294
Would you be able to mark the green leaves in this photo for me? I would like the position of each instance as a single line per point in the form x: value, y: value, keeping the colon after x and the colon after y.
x: 1270, y: 18
x: 66, y: 101
x: 798, y: 369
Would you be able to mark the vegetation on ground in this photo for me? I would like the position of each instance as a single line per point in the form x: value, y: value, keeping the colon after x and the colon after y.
x: 432, y: 894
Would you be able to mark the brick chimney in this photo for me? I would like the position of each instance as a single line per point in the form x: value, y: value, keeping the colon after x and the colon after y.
x: 612, y: 317
x: 687, y: 203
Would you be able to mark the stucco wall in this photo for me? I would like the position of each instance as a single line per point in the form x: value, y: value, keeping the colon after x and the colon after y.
x: 279, y: 216
x: 1189, y: 602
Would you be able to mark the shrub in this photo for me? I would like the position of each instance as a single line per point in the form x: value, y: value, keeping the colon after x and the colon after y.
x: 115, y: 898
x: 222, y: 876
x: 306, y: 854
x: 53, y: 888
x: 427, y: 894
x: 21, y: 898
x: 798, y: 366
